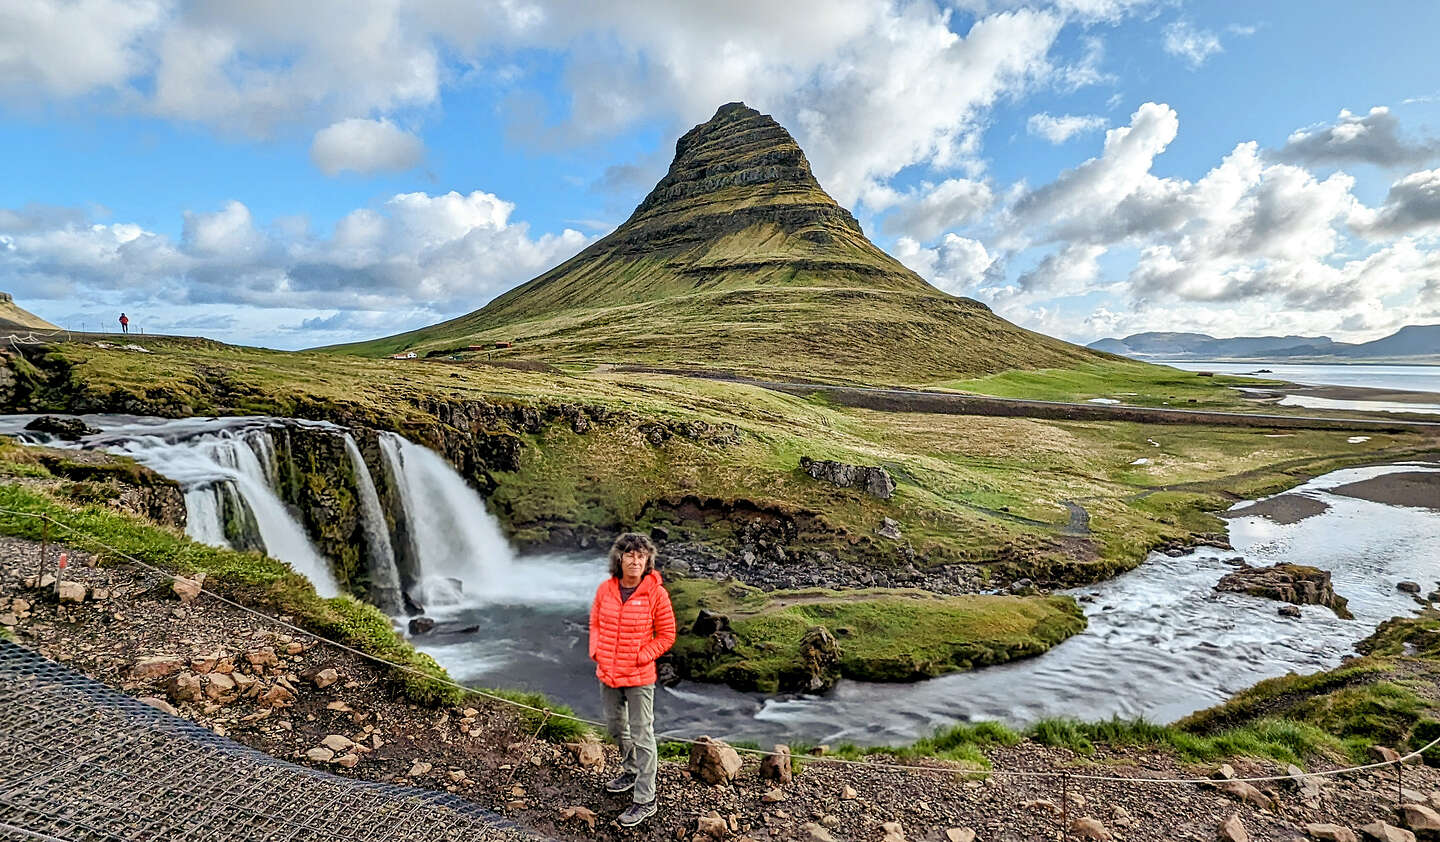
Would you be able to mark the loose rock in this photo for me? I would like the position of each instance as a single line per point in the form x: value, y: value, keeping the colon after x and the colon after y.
x: 578, y: 815
x: 1380, y: 831
x: 1231, y: 830
x: 188, y: 589
x: 1089, y: 827
x: 1330, y: 833
x: 713, y: 761
x: 776, y: 767
x: 960, y: 834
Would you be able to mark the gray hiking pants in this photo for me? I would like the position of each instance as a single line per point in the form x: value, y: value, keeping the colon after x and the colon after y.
x: 630, y: 718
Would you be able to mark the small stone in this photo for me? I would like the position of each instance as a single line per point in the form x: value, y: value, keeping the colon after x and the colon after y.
x: 262, y: 657
x: 1248, y: 794
x: 1223, y: 772
x: 1330, y: 833
x: 894, y: 832
x: 773, y: 795
x: 277, y: 696
x: 713, y: 826
x: 219, y: 686
x: 817, y: 833
x: 159, y: 704
x: 1380, y: 831
x: 1384, y: 754
x: 324, y: 678
x: 960, y: 834
x: 337, y: 742
x: 578, y: 815
x: 1042, y: 804
x: 1407, y: 587
x: 713, y: 761
x: 184, y: 687
x: 418, y: 768
x: 458, y: 775
x: 156, y: 666
x: 1089, y: 827
x: 72, y: 592
x: 848, y: 793
x: 347, y: 761
x: 188, y: 589
x: 1231, y: 830
x: 776, y: 766
x: 830, y: 820
x: 1291, y: 611
x: 1420, y: 819
x: 320, y: 754
x: 8, y: 619
x: 588, y: 753
x: 294, y: 648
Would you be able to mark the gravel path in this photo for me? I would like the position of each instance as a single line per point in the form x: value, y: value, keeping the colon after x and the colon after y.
x: 83, y: 762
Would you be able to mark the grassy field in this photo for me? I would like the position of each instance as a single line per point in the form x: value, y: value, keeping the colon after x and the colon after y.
x: 980, y: 490
x: 883, y: 634
x: 1125, y: 381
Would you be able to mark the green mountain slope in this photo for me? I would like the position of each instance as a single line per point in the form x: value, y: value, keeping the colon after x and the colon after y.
x: 738, y: 260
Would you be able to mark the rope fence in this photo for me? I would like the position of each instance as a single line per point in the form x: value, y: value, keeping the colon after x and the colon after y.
x: 547, y: 713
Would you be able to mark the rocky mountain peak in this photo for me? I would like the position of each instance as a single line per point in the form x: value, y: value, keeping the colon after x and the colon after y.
x: 738, y: 168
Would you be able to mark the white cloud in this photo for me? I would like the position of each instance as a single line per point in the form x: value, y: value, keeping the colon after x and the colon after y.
x: 925, y: 212
x: 958, y: 265
x: 1059, y: 129
x: 76, y: 47
x: 1193, y: 45
x: 1373, y: 138
x: 365, y: 146
x: 1411, y: 206
x: 437, y: 255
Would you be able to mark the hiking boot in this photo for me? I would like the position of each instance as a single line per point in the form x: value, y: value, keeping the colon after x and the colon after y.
x: 637, y: 813
x: 624, y: 783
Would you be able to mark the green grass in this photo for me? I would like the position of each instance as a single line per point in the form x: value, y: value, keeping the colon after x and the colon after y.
x: 1126, y: 381
x: 884, y: 635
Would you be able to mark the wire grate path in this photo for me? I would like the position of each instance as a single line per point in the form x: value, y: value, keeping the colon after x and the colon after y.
x: 79, y: 761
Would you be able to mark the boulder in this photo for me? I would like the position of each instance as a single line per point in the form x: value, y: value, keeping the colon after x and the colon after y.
x: 1384, y: 754
x: 421, y: 625
x: 64, y: 429
x: 708, y: 623
x: 874, y: 481
x: 1326, y: 832
x: 713, y: 761
x: 1293, y: 583
x: 156, y: 666
x: 1408, y: 587
x: 1231, y: 830
x: 1291, y: 611
x: 1379, y: 831
x: 819, y: 661
x: 776, y: 766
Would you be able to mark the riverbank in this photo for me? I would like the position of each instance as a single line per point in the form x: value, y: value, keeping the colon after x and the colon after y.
x: 481, y: 751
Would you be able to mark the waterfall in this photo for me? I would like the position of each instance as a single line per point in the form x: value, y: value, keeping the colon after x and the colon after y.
x: 462, y: 555
x: 384, y: 575
x: 203, y: 520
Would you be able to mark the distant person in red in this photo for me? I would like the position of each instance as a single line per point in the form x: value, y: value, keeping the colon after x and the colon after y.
x: 124, y: 323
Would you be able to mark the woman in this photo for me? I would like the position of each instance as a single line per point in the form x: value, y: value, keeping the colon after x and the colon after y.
x: 631, y: 625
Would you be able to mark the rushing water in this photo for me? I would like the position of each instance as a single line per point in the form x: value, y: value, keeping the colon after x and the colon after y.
x: 1161, y: 642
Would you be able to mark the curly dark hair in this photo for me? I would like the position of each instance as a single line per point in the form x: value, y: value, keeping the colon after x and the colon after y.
x: 628, y: 542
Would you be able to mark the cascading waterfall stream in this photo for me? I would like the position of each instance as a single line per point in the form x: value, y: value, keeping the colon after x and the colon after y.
x: 462, y: 556
x: 384, y: 575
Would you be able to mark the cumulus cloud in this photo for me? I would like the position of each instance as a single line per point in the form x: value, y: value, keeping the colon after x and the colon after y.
x: 1194, y: 46
x: 1059, y: 129
x: 958, y: 265
x: 1412, y: 205
x: 76, y: 47
x: 440, y: 255
x: 365, y: 146
x: 930, y: 209
x: 1372, y: 138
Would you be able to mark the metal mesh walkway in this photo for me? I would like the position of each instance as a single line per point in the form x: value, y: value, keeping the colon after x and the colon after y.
x: 79, y: 761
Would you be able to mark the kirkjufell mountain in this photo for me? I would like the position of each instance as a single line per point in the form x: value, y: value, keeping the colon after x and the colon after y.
x: 739, y: 260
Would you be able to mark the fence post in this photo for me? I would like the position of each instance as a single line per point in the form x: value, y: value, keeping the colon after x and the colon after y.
x: 1064, y: 806
x: 1399, y: 782
x: 44, y: 550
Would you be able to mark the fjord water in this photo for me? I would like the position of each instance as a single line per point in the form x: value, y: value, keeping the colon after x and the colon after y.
x: 1409, y: 378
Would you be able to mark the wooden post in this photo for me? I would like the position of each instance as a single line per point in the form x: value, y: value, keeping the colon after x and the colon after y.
x: 44, y: 549
x: 1064, y: 806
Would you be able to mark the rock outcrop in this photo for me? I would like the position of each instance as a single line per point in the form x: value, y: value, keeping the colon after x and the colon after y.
x: 874, y: 481
x: 1293, y: 583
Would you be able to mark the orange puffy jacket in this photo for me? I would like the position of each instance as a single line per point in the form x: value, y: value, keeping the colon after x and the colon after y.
x: 626, y: 637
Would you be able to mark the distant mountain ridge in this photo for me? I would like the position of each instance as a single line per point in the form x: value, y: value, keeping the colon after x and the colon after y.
x: 1419, y: 343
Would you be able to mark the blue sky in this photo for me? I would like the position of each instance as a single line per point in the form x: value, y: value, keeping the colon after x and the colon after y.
x: 299, y: 174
